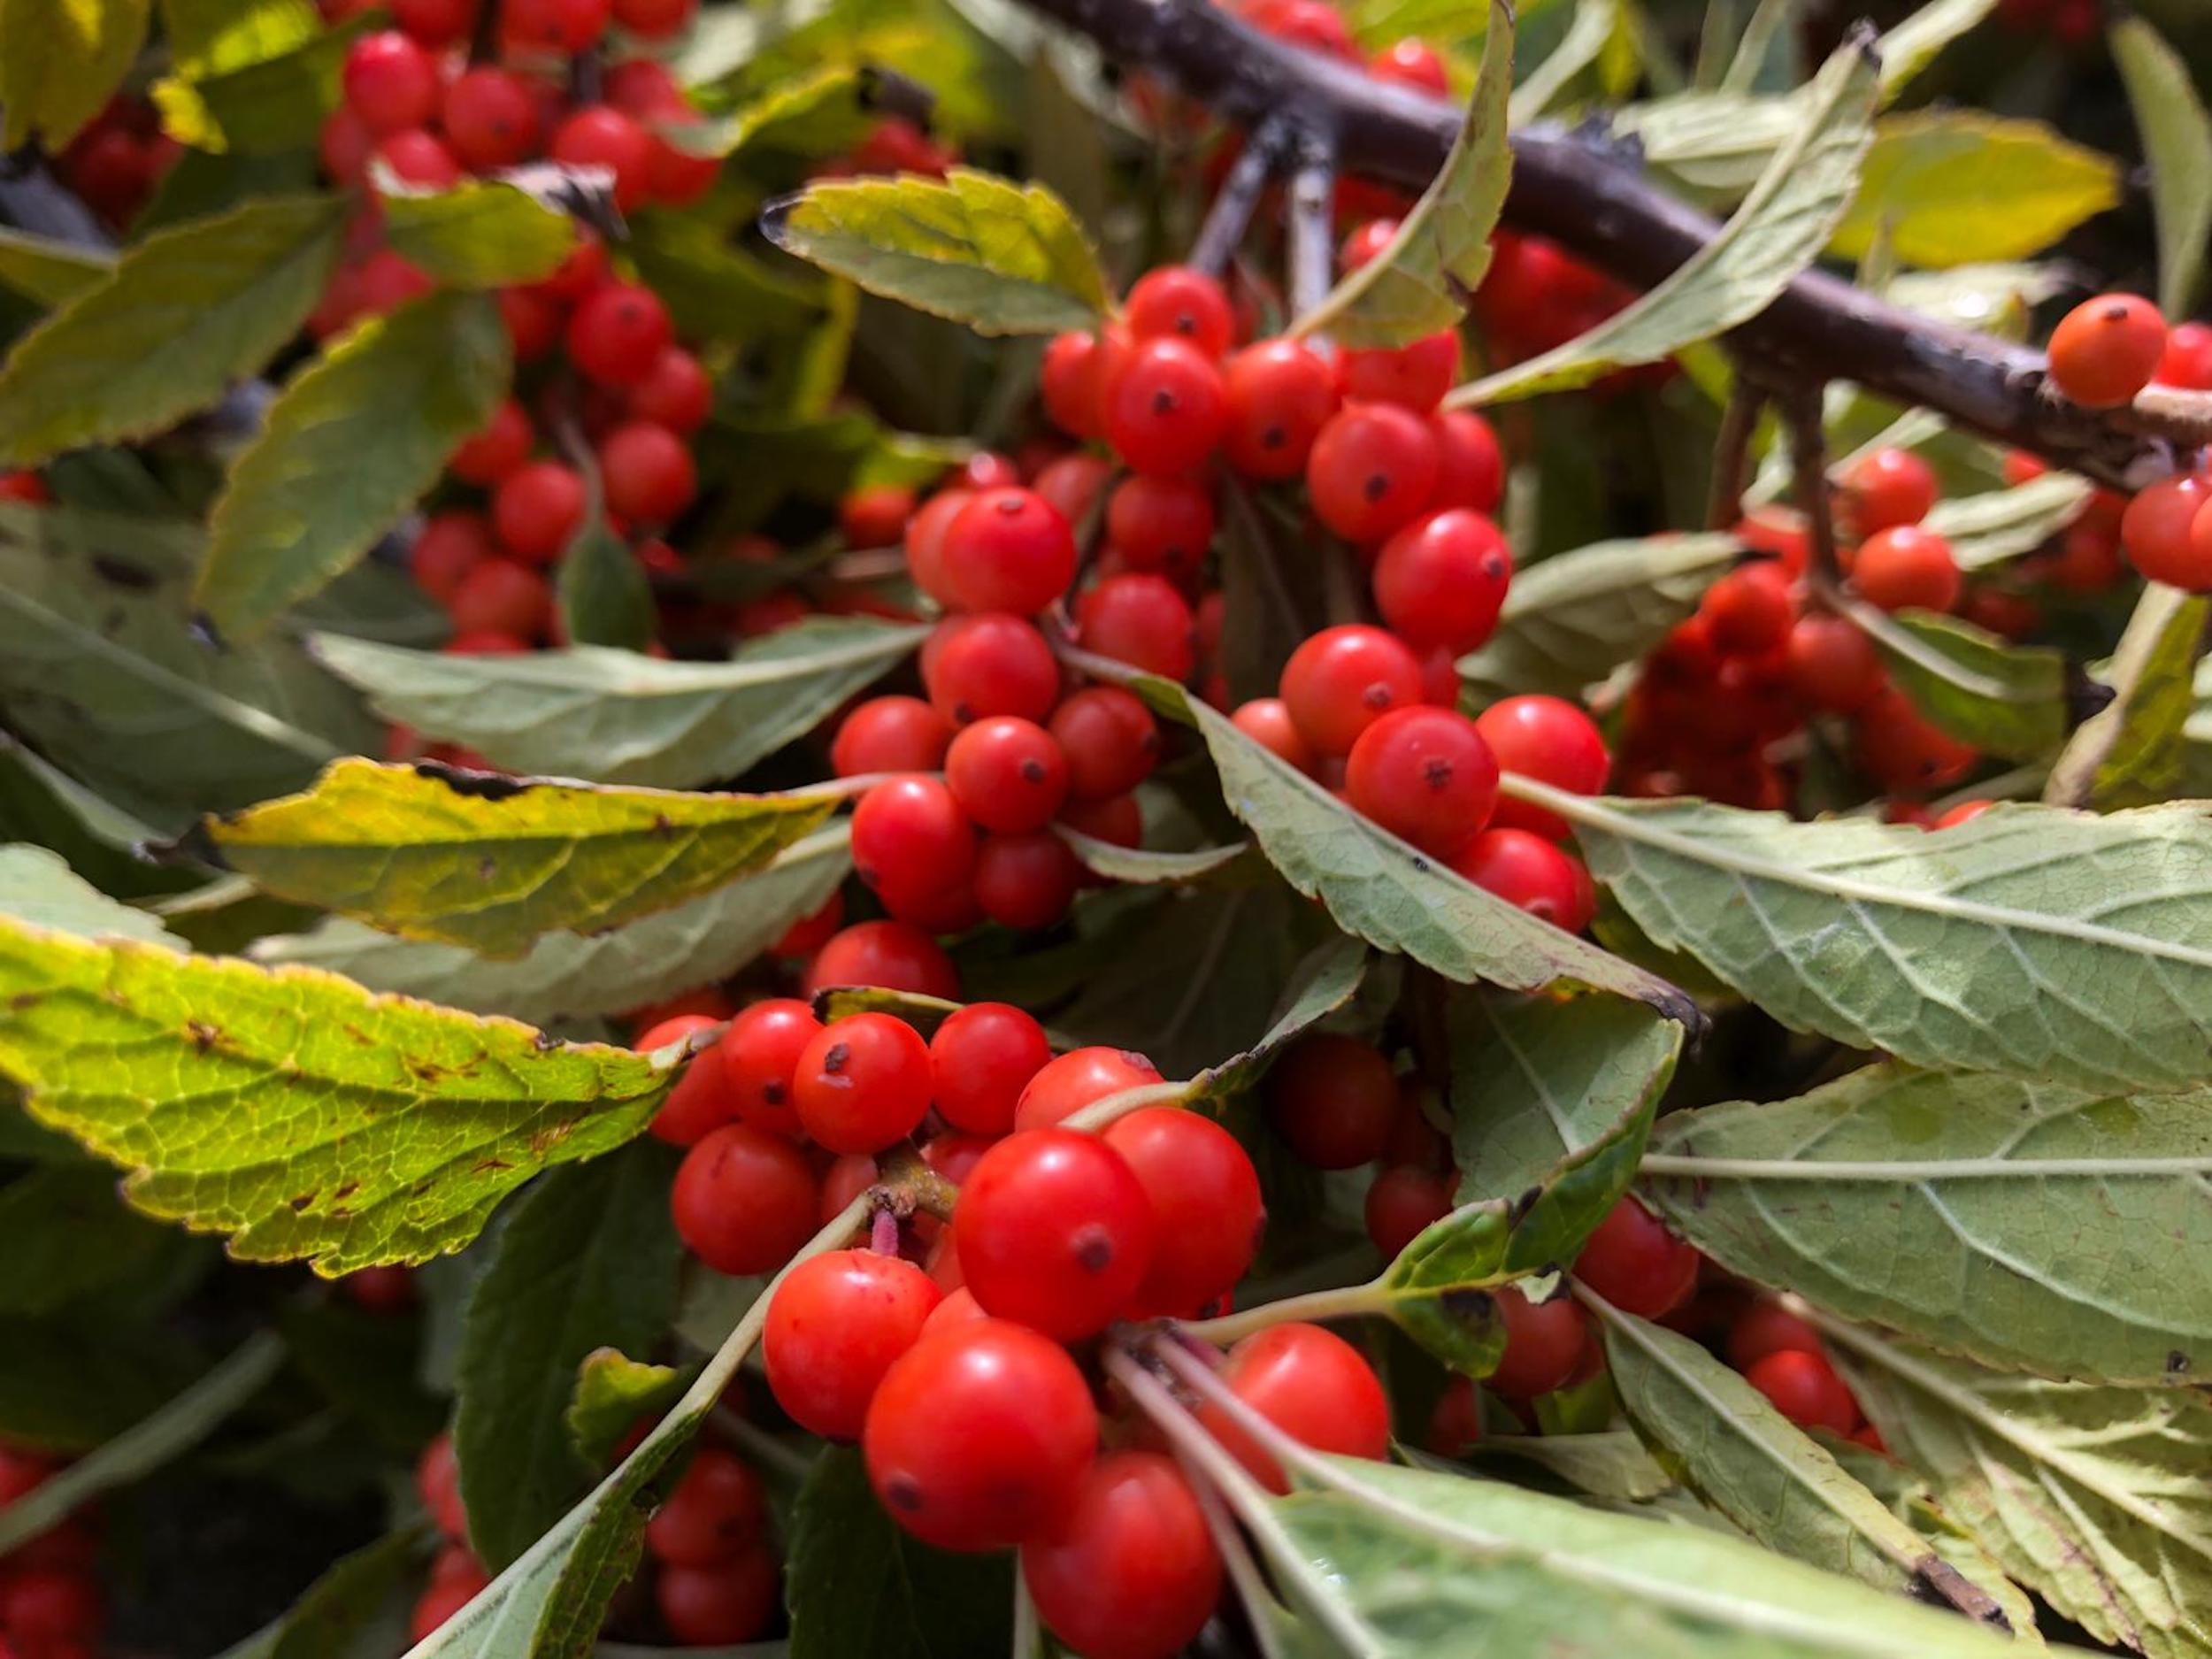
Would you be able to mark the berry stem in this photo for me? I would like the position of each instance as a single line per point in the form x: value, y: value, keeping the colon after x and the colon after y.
x: 1231, y: 214
x: 883, y: 1232
x: 1349, y: 1302
x: 1312, y: 210
x: 1804, y: 413
x: 1732, y: 454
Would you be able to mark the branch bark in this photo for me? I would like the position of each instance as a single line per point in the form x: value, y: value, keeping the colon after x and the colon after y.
x: 1603, y: 210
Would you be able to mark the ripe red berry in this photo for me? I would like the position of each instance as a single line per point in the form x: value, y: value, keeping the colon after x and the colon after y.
x: 1531, y: 873
x: 1411, y: 62
x: 538, y: 509
x: 1832, y: 664
x: 1267, y: 722
x: 501, y: 597
x: 1161, y: 524
x: 1141, y: 620
x: 599, y: 136
x: 744, y: 1200
x: 1008, y: 549
x: 1133, y: 1572
x: 1166, y: 410
x: 1888, y: 488
x: 1767, y: 1327
x: 2106, y: 349
x: 835, y: 1326
x: 861, y: 1083
x: 717, y: 1511
x: 1027, y: 879
x: 910, y: 840
x: 450, y: 546
x: 1901, y: 751
x: 2187, y: 360
x: 616, y: 333
x: 981, y: 1060
x: 1748, y: 611
x: 1006, y: 773
x: 391, y: 84
x: 875, y: 515
x: 1175, y: 301
x: 1414, y: 376
x: 725, y: 1605
x: 1908, y: 567
x: 2156, y: 530
x: 1342, y: 679
x: 435, y: 23
x: 1426, y: 775
x: 1310, y: 1383
x: 1333, y: 1099
x: 675, y: 393
x: 647, y: 472
x: 419, y: 159
x: 980, y: 1435
x: 1470, y: 466
x: 1110, y: 740
x: 438, y: 1483
x: 1404, y: 1201
x: 387, y: 281
x: 1544, y: 1342
x: 1206, y: 1203
x: 1277, y: 397
x: 1068, y: 383
x: 1054, y: 1231
x: 654, y: 19
x: 498, y: 450
x: 701, y: 1101
x: 1077, y: 1079
x: 533, y: 320
x: 457, y: 1578
x: 988, y: 664
x: 1804, y: 1388
x: 758, y: 1057
x: 1372, y: 471
x: 890, y: 734
x: 890, y: 955
x: 1635, y: 1263
x: 564, y: 27
x: 1440, y: 582
x: 1547, y: 739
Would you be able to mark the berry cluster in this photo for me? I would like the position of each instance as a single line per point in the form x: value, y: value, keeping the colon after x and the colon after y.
x: 114, y: 163
x: 456, y: 1574
x: 50, y: 1606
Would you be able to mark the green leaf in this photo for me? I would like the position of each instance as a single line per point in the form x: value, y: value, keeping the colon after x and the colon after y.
x: 39, y: 887
x: 604, y: 596
x: 573, y: 976
x: 348, y: 1129
x: 860, y: 1585
x: 51, y: 273
x: 1952, y: 186
x: 2134, y: 752
x: 481, y: 233
x: 176, y: 1428
x: 1327, y: 979
x: 2017, y: 701
x: 2092, y: 1497
x: 1912, y: 45
x: 2177, y: 136
x: 492, y: 862
x: 1419, y: 283
x: 1778, y: 231
x: 350, y: 443
x: 1998, y: 299
x: 354, y: 1611
x: 717, y: 292
x: 2032, y: 941
x: 1377, y: 886
x: 1597, y: 26
x: 99, y: 668
x: 207, y: 36
x: 1609, y: 1463
x: 814, y: 115
x: 1988, y: 528
x: 1408, y: 1561
x: 2028, y: 1226
x: 69, y: 1236
x: 186, y: 312
x: 261, y: 102
x: 613, y: 1393
x: 1144, y: 867
x: 620, y: 717
x: 1570, y: 620
x: 588, y: 1261
x: 1766, y: 1475
x: 1002, y: 257
x: 71, y: 1385
x: 63, y: 58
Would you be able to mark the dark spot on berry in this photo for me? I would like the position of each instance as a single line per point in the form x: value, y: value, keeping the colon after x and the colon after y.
x: 904, y: 1492
x: 1273, y: 437
x: 1010, y: 506
x: 1436, y: 774
x: 834, y: 1061
x: 1033, y: 771
x: 1093, y: 1248
x: 772, y: 1092
x: 1375, y: 696
x: 1377, y: 487
x: 1163, y: 401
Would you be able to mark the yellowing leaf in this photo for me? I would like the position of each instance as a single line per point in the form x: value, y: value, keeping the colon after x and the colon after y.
x: 61, y: 59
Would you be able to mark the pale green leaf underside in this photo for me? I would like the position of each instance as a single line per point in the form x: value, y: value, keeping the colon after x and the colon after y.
x: 2134, y: 752
x: 1988, y: 528
x: 490, y: 862
x: 293, y: 1110
x: 2003, y: 699
x: 2031, y: 1227
x: 38, y: 887
x: 2177, y: 134
x: 620, y: 717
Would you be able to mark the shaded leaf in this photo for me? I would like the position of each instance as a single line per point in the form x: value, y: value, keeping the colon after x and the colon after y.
x: 1325, y: 981
x: 63, y: 58
x: 261, y: 105
x: 184, y: 314
x: 49, y: 271
x: 1144, y: 867
x: 1997, y: 299
x: 355, y: 1610
x: 1597, y: 26
x: 1996, y: 525
x: 717, y: 292
x: 481, y: 233
x: 2177, y: 136
x: 68, y: 1236
x: 2134, y: 752
x: 1608, y: 1463
x: 604, y: 597
x: 354, y: 1129
x: 816, y: 114
x: 613, y: 1392
x: 491, y: 861
x: 39, y: 887
x: 1004, y: 258
x: 350, y: 444
x: 2001, y: 698
x: 2031, y: 1227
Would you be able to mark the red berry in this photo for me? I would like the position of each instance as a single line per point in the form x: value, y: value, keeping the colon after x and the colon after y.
x: 1804, y: 1388
x: 992, y: 663
x: 910, y: 839
x: 863, y: 1083
x: 890, y: 734
x: 1547, y: 739
x: 1267, y: 722
x: 1908, y: 567
x: 1411, y: 62
x: 727, y: 1604
x: 1888, y: 488
x: 617, y: 335
x: 1767, y: 1327
x: 654, y: 19
x: 1279, y: 395
x: 1175, y: 301
x: 450, y: 546
x: 532, y: 321
x: 1343, y: 679
x: 648, y: 471
x: 1054, y: 1231
x: 1008, y: 549
x: 1748, y: 611
x: 675, y: 393
x: 1470, y: 466
x: 1635, y: 1263
x: 1110, y: 739
x: 1312, y: 23
x: 1310, y: 1383
x: 1414, y: 376
x: 744, y: 1200
x: 1141, y: 620
x: 1372, y: 471
x: 498, y: 450
x: 501, y: 597
x: 598, y: 136
x: 391, y: 83
x: 1440, y: 581
x: 441, y: 1600
x: 1006, y: 773
x: 980, y: 1435
x: 1333, y: 1099
x: 565, y: 27
x: 438, y: 1483
x: 1080, y: 1078
x: 419, y: 159
x: 538, y: 509
x: 1544, y: 1342
x: 759, y: 1059
x: 1901, y: 751
x: 1026, y: 880
x: 1832, y: 664
x: 2106, y: 349
x: 1074, y: 483
x: 835, y: 1326
x: 1206, y: 1205
x: 1403, y: 1202
x: 387, y: 281
x: 2187, y: 359
x: 701, y: 1101
x: 1068, y: 383
x: 1531, y: 873
x: 1160, y: 524
x: 891, y: 956
x: 1133, y: 1572
x: 1166, y: 410
x: 980, y: 1061
x: 875, y: 515
x: 716, y: 1512
x: 435, y: 23
x: 1117, y: 820
x: 1426, y: 775
x: 491, y: 118
x: 2156, y: 530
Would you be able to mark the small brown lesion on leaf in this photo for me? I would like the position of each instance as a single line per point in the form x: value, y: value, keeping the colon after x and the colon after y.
x: 22, y: 1001
x: 358, y: 1035
x: 662, y: 827
x: 543, y: 1141
x: 2176, y: 1362
x: 204, y: 1035
x: 347, y: 1191
x: 425, y: 1071
x: 301, y: 1203
x: 1937, y: 1581
x: 488, y: 1166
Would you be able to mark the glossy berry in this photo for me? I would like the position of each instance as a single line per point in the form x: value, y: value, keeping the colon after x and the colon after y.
x: 699, y: 1102
x: 654, y: 19
x: 648, y: 471
x: 744, y: 1200
x: 1415, y: 376
x: 1907, y: 568
x: 861, y: 1083
x: 1174, y: 301
x: 1544, y: 1342
x: 498, y: 450
x: 1279, y: 395
x: 1117, y: 820
x: 675, y: 393
x: 1402, y: 1202
x: 2156, y: 530
x: 616, y: 333
x: 890, y: 955
x: 1077, y: 1079
x: 435, y: 22
x: 1006, y: 773
x: 420, y: 159
x: 1206, y: 1205
x: 1026, y: 880
x: 1141, y: 620
x: 1899, y: 749
x: 1166, y: 410
x: 1748, y: 611
x: 1532, y: 874
x: 875, y: 515
x: 598, y: 136
x: 1470, y: 466
x: 1110, y: 740
x: 835, y: 1324
x: 1333, y: 1099
x: 1342, y: 679
x: 1411, y: 62
x: 501, y: 597
x: 980, y: 1435
x: 1074, y: 483
x: 491, y: 119
x: 1132, y: 1571
x: 1008, y: 549
x: 1160, y: 524
x: 981, y: 1060
x: 1068, y: 383
x: 1313, y: 1386
x: 758, y: 1057
x: 890, y: 734
x: 1372, y: 471
x: 391, y: 84
x: 538, y: 509
x: 1365, y: 243
x: 1267, y: 722
x: 2187, y: 360
x: 1635, y: 1263
x: 724, y: 1605
x: 2107, y: 348
x: 1054, y: 1231
x: 1440, y: 582
x: 438, y: 1483
x: 450, y: 546
x: 910, y: 840
x: 1888, y: 488
x: 562, y: 26
x: 1426, y: 775
x: 1804, y: 1388
x: 1832, y: 664
x: 1767, y: 1327
x: 1547, y: 739
x: 988, y: 664
x: 716, y: 1512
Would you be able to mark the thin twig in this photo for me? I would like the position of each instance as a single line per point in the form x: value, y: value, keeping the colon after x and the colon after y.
x: 1803, y: 411
x: 1312, y: 216
x: 1231, y: 214
x: 1732, y: 454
